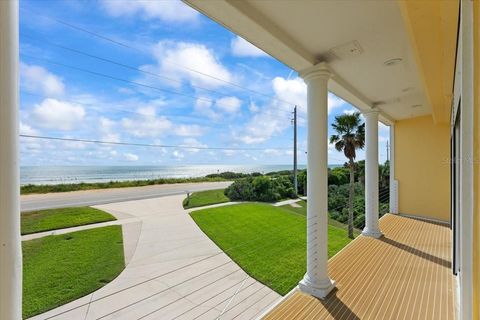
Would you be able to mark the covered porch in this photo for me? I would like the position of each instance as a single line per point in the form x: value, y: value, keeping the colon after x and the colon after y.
x: 382, y: 58
x: 404, y: 275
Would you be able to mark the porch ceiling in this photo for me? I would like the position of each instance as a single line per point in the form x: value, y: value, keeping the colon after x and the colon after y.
x: 355, y: 38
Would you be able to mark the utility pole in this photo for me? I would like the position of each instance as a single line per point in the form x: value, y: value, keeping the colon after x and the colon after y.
x: 388, y: 152
x: 295, y: 180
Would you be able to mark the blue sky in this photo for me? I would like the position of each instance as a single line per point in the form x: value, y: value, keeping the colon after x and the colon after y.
x: 169, y: 100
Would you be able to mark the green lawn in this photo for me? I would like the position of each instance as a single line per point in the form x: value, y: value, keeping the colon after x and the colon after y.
x: 205, y: 198
x: 59, y: 269
x: 268, y: 242
x: 303, y: 210
x: 44, y: 220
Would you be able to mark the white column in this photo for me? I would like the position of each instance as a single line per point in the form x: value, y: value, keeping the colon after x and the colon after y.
x: 371, y: 174
x: 316, y: 281
x: 10, y: 244
x: 393, y: 181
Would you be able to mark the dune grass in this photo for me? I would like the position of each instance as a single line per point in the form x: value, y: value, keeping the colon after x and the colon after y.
x: 52, y: 219
x: 268, y: 242
x: 59, y: 269
x: 205, y: 198
x: 67, y: 187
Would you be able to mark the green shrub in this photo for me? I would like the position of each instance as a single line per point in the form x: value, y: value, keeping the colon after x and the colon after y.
x: 302, y: 182
x: 359, y: 221
x: 227, y: 175
x: 261, y: 188
x: 240, y: 190
x: 338, y: 176
x: 280, y: 173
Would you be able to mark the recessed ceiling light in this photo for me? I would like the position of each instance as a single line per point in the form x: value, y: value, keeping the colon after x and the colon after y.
x: 392, y: 62
x: 416, y: 106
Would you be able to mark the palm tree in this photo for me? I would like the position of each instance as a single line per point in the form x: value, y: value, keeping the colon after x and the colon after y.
x: 350, y: 137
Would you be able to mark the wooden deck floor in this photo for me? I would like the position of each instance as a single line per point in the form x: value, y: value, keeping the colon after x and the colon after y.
x: 404, y: 275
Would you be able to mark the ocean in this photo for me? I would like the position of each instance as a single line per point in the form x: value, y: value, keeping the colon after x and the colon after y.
x: 77, y: 174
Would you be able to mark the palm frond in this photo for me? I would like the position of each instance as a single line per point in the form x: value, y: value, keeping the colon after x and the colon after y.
x: 350, y: 134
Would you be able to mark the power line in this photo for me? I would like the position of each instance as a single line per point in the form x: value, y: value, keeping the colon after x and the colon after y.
x: 147, y: 144
x: 103, y: 75
x: 80, y: 52
x: 99, y: 74
x: 122, y: 44
x: 122, y: 108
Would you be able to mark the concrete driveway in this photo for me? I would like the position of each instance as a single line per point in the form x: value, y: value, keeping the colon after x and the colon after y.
x: 175, y: 272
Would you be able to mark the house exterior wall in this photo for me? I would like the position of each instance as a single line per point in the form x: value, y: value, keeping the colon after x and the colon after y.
x: 422, y: 167
x: 434, y: 51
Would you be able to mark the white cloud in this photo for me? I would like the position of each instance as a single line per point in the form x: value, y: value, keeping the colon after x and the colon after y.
x: 229, y: 104
x: 178, y: 155
x: 38, y: 79
x: 242, y: 48
x: 229, y: 153
x: 107, y: 130
x: 384, y: 128
x: 214, y: 109
x: 73, y: 145
x: 249, y: 156
x: 293, y: 91
x: 204, y: 107
x: 186, y: 130
x: 55, y: 114
x: 273, y: 152
x: 273, y: 118
x: 130, y: 157
x: 178, y: 59
x: 26, y: 129
x: 147, y: 124
x: 253, y: 107
x: 192, y: 142
x: 331, y: 148
x: 349, y: 111
x: 334, y: 101
x: 168, y: 11
x: 383, y: 132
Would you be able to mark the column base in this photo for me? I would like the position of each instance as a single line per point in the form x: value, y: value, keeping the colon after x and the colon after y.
x: 373, y: 234
x: 319, y: 291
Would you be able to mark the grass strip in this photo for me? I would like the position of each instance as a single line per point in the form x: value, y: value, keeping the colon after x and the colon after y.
x: 59, y: 269
x: 205, y: 198
x: 277, y: 259
x: 52, y: 219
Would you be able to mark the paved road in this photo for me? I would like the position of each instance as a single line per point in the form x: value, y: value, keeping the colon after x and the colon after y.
x: 104, y: 196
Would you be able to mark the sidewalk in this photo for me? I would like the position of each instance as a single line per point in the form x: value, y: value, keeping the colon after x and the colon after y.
x: 290, y: 201
x: 176, y: 272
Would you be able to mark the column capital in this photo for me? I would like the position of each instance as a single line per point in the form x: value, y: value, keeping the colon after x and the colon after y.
x: 320, y: 70
x: 373, y: 111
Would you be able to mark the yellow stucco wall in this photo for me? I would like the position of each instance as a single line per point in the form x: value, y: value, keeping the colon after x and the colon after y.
x: 422, y: 152
x: 434, y: 51
x: 476, y: 168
